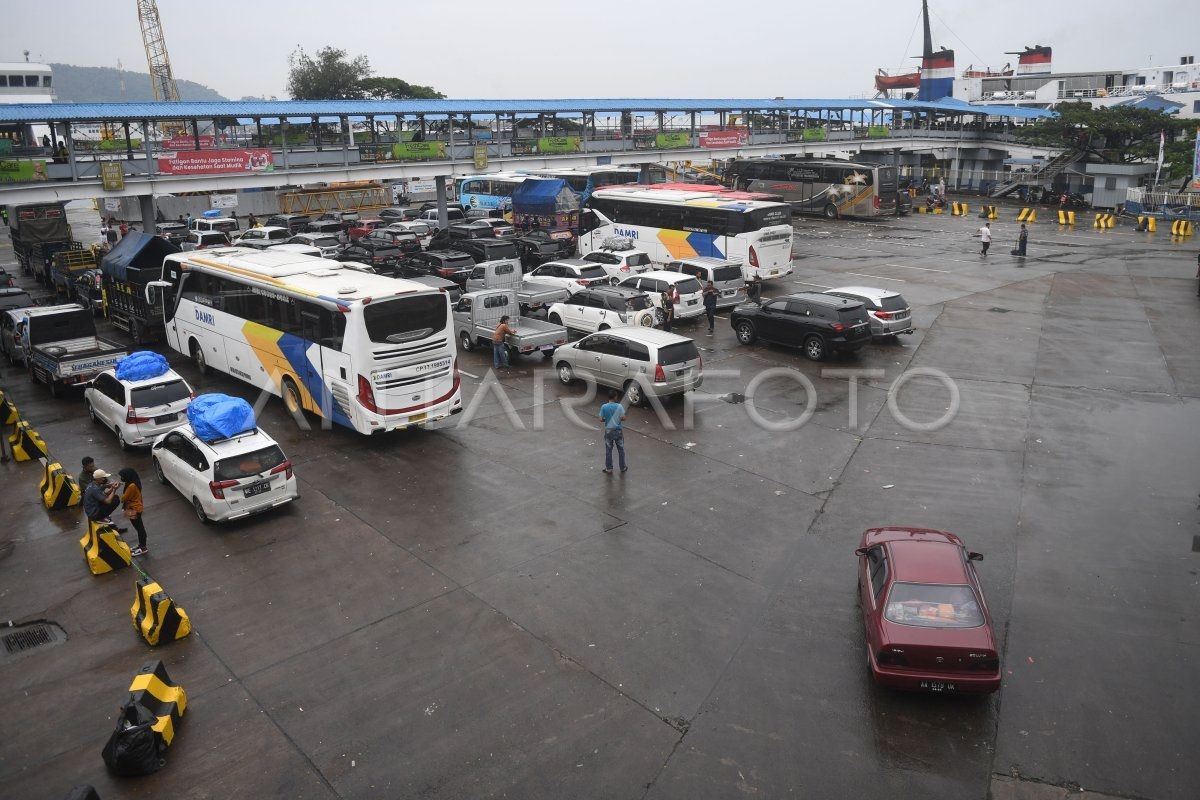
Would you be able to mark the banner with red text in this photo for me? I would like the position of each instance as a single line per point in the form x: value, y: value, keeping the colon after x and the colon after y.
x: 730, y: 137
x: 207, y: 162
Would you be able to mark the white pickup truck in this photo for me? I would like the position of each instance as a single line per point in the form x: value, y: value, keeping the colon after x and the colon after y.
x: 477, y: 315
x: 506, y: 274
x: 61, y: 347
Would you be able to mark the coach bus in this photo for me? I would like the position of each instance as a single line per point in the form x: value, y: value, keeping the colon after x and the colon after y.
x: 829, y: 187
x: 682, y: 221
x: 488, y: 191
x: 585, y: 180
x: 366, y: 351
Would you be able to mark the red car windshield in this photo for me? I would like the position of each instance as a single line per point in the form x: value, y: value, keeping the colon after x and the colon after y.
x: 933, y: 606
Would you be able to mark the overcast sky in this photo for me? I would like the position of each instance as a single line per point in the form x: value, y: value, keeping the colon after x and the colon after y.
x: 614, y: 48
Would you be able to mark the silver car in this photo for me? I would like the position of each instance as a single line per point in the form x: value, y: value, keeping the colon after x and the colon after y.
x: 726, y: 276
x: 638, y: 361
x: 889, y: 313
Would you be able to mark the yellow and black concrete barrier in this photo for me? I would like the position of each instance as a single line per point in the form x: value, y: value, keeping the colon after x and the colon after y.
x: 960, y: 209
x: 1066, y: 217
x: 1105, y: 221
x: 987, y: 212
x: 922, y: 210
x: 58, y: 489
x: 1181, y: 227
x: 939, y: 210
x: 104, y: 549
x: 1024, y: 214
x: 8, y: 410
x: 155, y: 614
x: 153, y: 690
x: 26, y: 443
x: 1146, y: 225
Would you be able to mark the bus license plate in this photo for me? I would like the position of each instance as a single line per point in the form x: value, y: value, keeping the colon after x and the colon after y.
x: 257, y: 488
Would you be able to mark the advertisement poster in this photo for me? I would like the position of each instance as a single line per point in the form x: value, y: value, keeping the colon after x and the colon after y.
x: 814, y: 134
x: 878, y: 131
x: 1196, y: 164
x: 186, y: 142
x: 416, y: 151
x: 21, y: 170
x: 207, y: 162
x: 730, y: 137
x: 668, y: 141
x: 481, y: 157
x: 559, y: 144
x: 112, y: 176
x: 223, y: 201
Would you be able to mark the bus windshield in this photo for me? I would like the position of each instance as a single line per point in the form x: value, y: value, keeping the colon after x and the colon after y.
x: 406, y: 318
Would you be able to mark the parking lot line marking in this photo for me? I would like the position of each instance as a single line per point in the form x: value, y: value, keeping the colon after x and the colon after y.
x: 818, y: 285
x: 877, y: 277
x: 469, y: 375
x: 923, y: 269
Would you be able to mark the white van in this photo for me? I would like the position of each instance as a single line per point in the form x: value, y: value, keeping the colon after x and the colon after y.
x: 226, y: 225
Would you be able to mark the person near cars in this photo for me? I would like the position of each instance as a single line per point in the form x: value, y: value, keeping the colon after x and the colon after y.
x: 100, y: 499
x: 499, y: 348
x: 614, y: 435
x: 252, y: 221
x: 85, y: 477
x: 985, y: 238
x: 710, y: 305
x: 131, y: 502
x: 668, y: 309
x: 1023, y: 240
x: 754, y: 290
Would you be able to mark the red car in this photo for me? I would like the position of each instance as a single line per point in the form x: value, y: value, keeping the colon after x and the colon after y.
x: 363, y: 227
x: 927, y: 626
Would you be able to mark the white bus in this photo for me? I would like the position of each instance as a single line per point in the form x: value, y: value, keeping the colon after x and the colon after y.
x: 684, y: 221
x: 488, y: 191
x: 365, y: 351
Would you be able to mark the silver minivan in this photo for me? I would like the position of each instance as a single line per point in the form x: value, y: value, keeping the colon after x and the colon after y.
x: 726, y: 276
x: 638, y: 361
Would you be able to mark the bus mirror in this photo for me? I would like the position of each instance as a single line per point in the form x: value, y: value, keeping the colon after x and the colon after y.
x: 152, y: 289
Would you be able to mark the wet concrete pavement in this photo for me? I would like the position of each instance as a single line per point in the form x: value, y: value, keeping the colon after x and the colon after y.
x: 479, y: 612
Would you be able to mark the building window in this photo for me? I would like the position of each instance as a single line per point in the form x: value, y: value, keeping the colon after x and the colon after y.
x: 1196, y: 106
x: 1110, y: 183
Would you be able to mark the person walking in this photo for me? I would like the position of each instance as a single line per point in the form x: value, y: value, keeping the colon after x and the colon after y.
x: 85, y: 477
x: 499, y: 346
x: 1023, y: 241
x: 710, y: 305
x: 754, y: 291
x: 614, y: 435
x: 189, y: 220
x: 131, y: 502
x: 985, y: 238
x: 100, y: 499
x: 668, y: 309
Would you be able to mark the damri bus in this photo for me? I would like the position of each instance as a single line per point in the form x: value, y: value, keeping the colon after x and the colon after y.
x: 488, y: 191
x: 365, y: 351
x: 683, y: 221
x: 830, y: 187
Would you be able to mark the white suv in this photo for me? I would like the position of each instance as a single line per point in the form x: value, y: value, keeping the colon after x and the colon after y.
x: 571, y: 274
x: 226, y: 479
x: 655, y: 282
x: 621, y: 263
x: 137, y: 411
x: 602, y: 307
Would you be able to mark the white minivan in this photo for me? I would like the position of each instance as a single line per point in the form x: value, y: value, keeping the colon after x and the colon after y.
x: 655, y: 282
x: 137, y: 411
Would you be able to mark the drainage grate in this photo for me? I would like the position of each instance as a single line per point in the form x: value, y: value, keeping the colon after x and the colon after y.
x: 29, y: 637
x: 999, y: 310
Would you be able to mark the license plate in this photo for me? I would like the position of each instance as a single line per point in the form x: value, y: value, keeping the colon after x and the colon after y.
x: 774, y: 272
x: 257, y: 488
x: 546, y: 347
x: 692, y: 302
x: 937, y: 686
x: 165, y: 418
x: 729, y: 292
x: 415, y: 418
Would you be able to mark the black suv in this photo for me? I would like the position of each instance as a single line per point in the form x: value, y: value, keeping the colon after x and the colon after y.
x: 383, y: 256
x: 405, y: 240
x: 819, y: 323
x: 449, y: 264
x: 296, y: 223
x: 538, y: 247
x: 488, y: 249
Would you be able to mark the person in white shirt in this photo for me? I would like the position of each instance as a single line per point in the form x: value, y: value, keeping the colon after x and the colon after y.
x: 985, y: 238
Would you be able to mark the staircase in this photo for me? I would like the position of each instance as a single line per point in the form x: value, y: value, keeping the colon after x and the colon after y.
x: 1042, y: 177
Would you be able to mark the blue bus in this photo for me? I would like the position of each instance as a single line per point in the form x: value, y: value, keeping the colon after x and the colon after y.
x: 488, y: 192
x: 585, y: 180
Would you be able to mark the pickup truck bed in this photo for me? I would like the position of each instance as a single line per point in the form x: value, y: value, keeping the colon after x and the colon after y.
x: 73, y: 361
x: 539, y: 296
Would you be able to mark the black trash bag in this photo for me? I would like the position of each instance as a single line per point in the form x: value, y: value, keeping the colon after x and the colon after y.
x: 133, y: 747
x: 82, y: 792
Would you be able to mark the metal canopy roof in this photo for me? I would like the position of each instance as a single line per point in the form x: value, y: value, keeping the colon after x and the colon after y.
x: 275, y: 109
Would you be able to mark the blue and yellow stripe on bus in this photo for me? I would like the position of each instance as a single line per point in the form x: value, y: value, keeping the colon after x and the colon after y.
x: 690, y: 244
x: 287, y: 354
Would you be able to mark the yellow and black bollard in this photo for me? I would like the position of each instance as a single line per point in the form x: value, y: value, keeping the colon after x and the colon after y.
x: 104, y: 549
x: 8, y: 410
x: 26, y: 443
x: 58, y: 489
x: 155, y: 615
x: 153, y: 690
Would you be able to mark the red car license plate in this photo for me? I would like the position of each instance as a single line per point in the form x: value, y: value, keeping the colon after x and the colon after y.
x: 937, y: 686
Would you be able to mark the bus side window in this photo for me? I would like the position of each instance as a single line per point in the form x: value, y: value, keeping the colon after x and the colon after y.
x: 333, y: 328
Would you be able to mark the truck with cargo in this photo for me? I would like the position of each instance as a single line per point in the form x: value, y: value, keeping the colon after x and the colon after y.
x: 126, y: 269
x: 38, y: 231
x: 61, y: 348
x: 477, y: 315
x: 68, y: 266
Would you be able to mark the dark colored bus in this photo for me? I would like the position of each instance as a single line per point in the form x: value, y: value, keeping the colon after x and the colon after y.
x: 830, y: 187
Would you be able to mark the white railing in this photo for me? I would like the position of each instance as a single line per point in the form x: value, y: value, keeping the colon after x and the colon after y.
x: 1140, y: 199
x: 1129, y: 91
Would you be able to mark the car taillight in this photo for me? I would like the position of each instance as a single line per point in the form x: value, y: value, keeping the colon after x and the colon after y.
x: 876, y: 201
x: 446, y: 272
x: 218, y: 488
x: 753, y: 257
x: 660, y: 374
x: 132, y: 418
x: 838, y: 327
x: 625, y: 268
x: 883, y: 314
x: 582, y: 281
x: 366, y: 395
x: 891, y: 657
x: 286, y: 468
x: 984, y: 662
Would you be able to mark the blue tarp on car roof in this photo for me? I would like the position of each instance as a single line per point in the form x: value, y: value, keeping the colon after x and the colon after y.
x: 138, y: 250
x: 218, y: 416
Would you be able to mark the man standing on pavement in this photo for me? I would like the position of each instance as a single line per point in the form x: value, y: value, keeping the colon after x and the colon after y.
x: 710, y: 305
x: 499, y: 346
x: 614, y: 435
x: 1022, y: 240
x: 985, y: 238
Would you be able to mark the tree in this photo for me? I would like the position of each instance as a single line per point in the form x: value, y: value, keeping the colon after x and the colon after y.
x: 381, y: 88
x: 1115, y: 133
x: 326, y: 75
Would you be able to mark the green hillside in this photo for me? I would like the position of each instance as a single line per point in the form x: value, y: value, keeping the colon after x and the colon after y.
x: 103, y: 85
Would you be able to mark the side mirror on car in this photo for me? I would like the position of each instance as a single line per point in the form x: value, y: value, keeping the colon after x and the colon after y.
x: 862, y: 551
x: 973, y: 556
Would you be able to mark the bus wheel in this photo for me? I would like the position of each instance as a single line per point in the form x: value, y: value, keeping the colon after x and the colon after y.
x: 291, y: 397
x: 831, y: 211
x: 198, y: 356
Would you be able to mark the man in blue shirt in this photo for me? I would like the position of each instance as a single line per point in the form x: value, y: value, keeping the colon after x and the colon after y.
x: 614, y: 436
x: 100, y: 498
